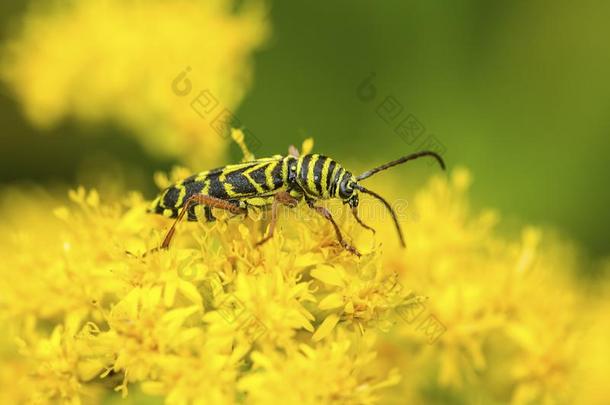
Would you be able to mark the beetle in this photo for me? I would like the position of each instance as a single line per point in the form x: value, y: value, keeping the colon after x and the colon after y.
x: 274, y: 181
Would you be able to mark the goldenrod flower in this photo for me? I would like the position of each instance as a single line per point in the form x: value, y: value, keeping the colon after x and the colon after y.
x: 125, y: 61
x: 462, y: 313
x: 507, y: 311
x: 337, y: 371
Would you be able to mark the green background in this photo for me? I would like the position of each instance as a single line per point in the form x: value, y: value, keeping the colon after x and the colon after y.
x: 518, y: 91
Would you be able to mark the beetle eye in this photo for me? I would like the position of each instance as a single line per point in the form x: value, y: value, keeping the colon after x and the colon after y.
x: 345, y: 189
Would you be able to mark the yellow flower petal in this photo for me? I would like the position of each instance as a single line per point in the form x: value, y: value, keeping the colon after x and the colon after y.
x: 328, y: 275
x: 307, y: 146
x: 190, y: 291
x: 331, y: 301
x: 326, y: 327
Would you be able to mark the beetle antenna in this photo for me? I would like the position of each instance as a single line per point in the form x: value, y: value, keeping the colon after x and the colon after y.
x: 388, y: 206
x: 402, y: 160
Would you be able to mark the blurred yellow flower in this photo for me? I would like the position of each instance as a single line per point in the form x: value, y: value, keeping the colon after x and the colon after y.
x: 507, y: 310
x: 123, y: 60
x: 463, y: 315
x: 340, y: 371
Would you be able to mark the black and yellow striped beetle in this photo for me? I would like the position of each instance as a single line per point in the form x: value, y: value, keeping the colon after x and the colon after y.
x: 270, y: 182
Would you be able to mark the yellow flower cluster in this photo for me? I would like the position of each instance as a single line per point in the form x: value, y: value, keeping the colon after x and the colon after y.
x: 118, y: 60
x: 462, y: 315
x: 511, y: 311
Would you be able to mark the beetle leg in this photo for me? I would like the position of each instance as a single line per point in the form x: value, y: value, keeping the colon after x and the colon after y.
x: 326, y: 214
x: 201, y: 199
x: 355, y: 214
x: 281, y: 197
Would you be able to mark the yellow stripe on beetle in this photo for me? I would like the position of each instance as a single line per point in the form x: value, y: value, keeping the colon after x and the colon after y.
x: 325, y: 177
x: 311, y: 180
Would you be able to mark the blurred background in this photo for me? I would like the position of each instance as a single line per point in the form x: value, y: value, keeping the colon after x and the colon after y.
x: 518, y: 92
